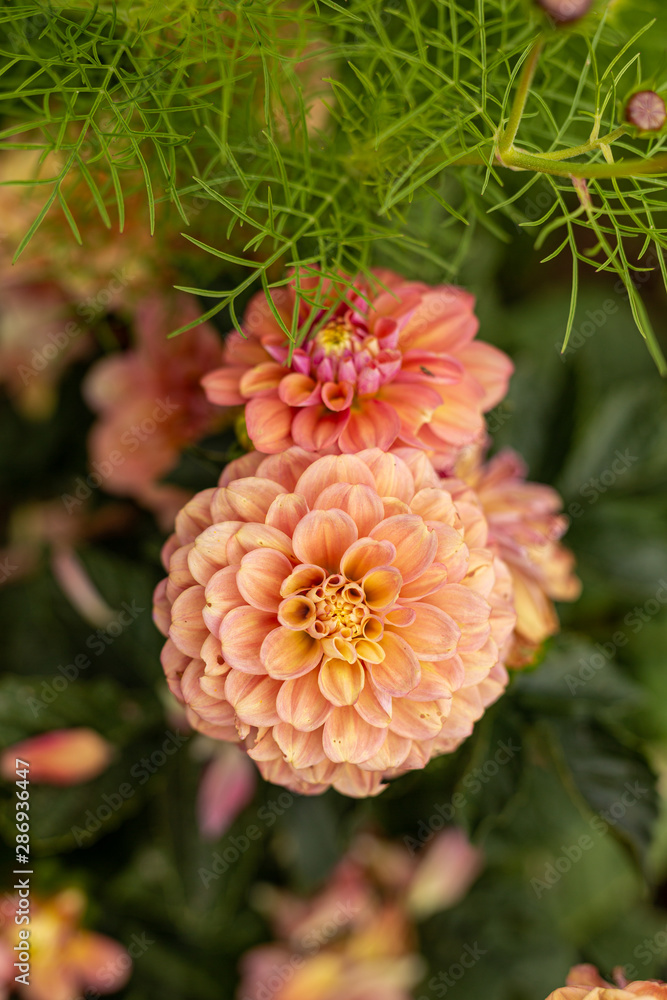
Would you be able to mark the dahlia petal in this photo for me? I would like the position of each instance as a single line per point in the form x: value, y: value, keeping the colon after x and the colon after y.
x: 297, y: 612
x: 286, y: 511
x: 400, y: 616
x: 381, y: 587
x: 256, y: 536
x: 421, y: 467
x: 322, y: 537
x: 299, y: 749
x: 261, y: 379
x: 253, y: 698
x: 241, y: 635
x: 317, y: 428
x: 435, y: 504
x: 298, y: 390
x: 370, y: 651
x: 399, y: 672
x: 265, y: 748
x: 214, y: 661
x: 412, y: 404
x: 374, y: 705
x: 434, y: 684
x: 249, y: 499
x: 162, y: 607
x: 365, y: 555
x: 442, y: 322
x: 431, y: 368
x: 209, y: 552
x: 469, y: 610
x: 241, y: 468
x: 433, y: 635
x: 361, y: 502
x: 301, y: 703
x: 268, y: 422
x: 341, y: 682
x: 339, y: 648
x: 222, y: 386
x: 337, y: 395
x: 303, y: 577
x: 194, y: 517
x: 349, y: 738
x: 415, y: 543
x: 330, y: 470
x: 287, y: 467
x: 358, y: 784
x: 188, y: 630
x: 481, y: 573
x: 416, y: 720
x: 490, y: 367
x: 430, y: 580
x: 478, y: 665
x: 391, y: 474
x: 260, y: 576
x: 373, y: 424
x: 457, y: 421
x: 391, y: 754
x: 392, y: 507
x: 173, y: 660
x: 222, y: 595
x: 287, y: 654
x: 178, y: 569
x: 214, y: 686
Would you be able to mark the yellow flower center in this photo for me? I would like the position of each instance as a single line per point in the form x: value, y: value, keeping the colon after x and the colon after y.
x: 335, y: 337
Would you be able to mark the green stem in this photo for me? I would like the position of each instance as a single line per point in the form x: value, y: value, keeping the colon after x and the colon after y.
x: 516, y: 114
x: 587, y: 171
x: 586, y: 147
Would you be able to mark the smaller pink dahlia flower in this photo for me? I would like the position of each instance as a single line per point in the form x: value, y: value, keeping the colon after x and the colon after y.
x: 584, y: 982
x: 342, y: 616
x: 398, y: 364
x: 524, y: 529
x: 150, y: 403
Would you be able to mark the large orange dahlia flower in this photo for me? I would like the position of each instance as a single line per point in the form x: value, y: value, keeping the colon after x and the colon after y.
x: 341, y: 615
x: 396, y: 365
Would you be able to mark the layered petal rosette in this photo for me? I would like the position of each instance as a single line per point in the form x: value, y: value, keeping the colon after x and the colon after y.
x: 341, y: 615
x: 396, y: 361
x: 525, y: 527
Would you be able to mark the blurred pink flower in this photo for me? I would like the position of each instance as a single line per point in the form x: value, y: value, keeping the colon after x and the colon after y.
x: 39, y: 339
x: 584, y: 982
x: 444, y: 873
x: 64, y: 960
x: 340, y: 615
x: 60, y: 757
x: 524, y: 528
x: 226, y: 788
x: 352, y: 941
x: 150, y: 403
x: 389, y: 365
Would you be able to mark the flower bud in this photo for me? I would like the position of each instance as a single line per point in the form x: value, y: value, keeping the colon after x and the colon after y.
x: 565, y: 11
x: 61, y: 757
x: 646, y: 110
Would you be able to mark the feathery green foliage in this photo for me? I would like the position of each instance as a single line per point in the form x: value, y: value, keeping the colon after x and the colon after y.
x: 313, y: 131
